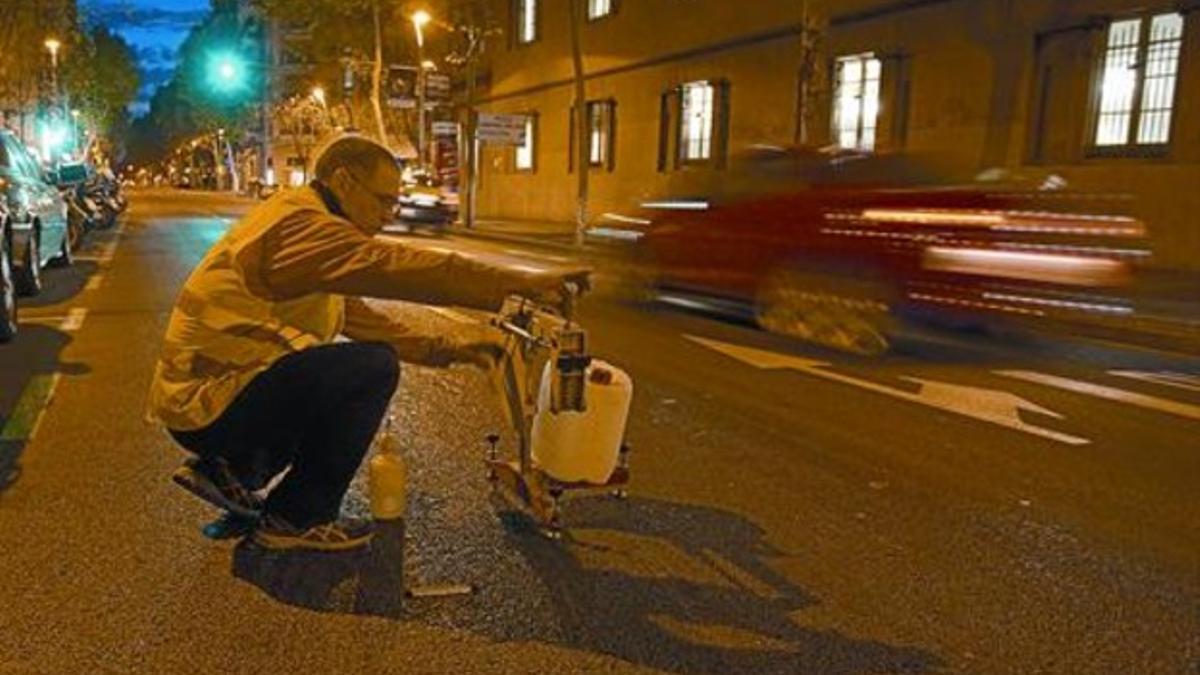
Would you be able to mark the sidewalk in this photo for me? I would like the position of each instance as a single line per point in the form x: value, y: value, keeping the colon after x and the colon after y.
x: 543, y: 234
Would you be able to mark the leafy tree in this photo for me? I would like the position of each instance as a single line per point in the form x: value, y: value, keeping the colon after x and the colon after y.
x: 102, y: 80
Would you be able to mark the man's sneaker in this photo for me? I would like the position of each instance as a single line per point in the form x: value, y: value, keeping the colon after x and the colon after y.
x: 341, y: 535
x: 212, y: 481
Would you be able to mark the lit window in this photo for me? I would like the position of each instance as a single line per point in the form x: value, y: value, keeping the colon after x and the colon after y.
x: 524, y: 157
x: 526, y: 21
x: 599, y: 8
x: 696, y: 130
x: 1138, y: 81
x: 600, y: 123
x: 856, y: 101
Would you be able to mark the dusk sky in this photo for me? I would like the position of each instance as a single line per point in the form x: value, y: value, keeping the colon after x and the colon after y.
x: 154, y: 28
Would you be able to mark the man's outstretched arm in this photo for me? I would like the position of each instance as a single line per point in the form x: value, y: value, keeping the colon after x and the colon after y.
x: 317, y: 252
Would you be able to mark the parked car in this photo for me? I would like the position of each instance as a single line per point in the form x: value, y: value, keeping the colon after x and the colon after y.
x: 8, y: 287
x: 37, y: 213
x: 423, y: 203
x: 834, y: 247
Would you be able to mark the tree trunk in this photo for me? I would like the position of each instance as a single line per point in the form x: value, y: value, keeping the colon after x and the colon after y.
x: 582, y: 155
x: 377, y: 77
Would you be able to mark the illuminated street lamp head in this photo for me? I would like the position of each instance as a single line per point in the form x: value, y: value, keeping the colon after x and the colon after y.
x: 419, y: 19
x: 53, y: 45
x: 318, y: 94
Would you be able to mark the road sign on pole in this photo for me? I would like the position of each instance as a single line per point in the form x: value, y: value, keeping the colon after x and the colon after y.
x: 498, y: 129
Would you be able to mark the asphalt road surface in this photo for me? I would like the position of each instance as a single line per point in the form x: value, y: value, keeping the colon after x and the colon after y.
x: 969, y: 505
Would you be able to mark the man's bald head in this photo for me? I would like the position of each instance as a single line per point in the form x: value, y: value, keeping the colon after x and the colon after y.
x: 360, y: 156
x: 363, y: 177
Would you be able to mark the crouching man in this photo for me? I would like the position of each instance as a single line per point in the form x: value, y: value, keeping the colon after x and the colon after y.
x: 250, y: 379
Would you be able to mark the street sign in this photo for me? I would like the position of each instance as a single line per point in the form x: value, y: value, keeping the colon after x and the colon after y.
x: 402, y: 87
x: 500, y: 129
x: 437, y: 87
x: 445, y: 128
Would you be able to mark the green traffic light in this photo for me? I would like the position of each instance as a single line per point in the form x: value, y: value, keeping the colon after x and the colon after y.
x: 226, y: 73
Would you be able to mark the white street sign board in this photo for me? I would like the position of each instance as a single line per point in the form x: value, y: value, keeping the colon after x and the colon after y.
x: 501, y: 129
x: 445, y: 128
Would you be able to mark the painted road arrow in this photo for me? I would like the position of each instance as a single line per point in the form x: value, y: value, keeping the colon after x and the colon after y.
x: 989, y: 405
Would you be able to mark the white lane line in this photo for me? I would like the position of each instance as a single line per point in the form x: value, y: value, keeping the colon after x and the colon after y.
x: 94, y: 283
x: 74, y: 319
x: 1107, y: 393
x: 1166, y: 378
x: 997, y: 407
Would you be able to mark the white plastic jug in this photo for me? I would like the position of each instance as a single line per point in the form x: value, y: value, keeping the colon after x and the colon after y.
x: 583, y: 446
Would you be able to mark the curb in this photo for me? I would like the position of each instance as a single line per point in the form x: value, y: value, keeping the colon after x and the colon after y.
x: 539, y: 242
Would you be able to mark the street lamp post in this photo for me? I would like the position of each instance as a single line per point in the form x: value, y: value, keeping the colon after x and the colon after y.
x: 419, y: 19
x: 53, y: 46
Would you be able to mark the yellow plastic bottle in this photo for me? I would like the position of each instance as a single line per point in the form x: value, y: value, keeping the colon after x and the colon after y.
x: 388, y: 478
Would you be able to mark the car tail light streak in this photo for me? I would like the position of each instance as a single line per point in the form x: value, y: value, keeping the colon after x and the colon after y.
x: 1072, y: 270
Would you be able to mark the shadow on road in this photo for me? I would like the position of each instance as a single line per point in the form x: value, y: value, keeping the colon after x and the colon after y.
x: 675, y: 587
x: 27, y: 369
x: 689, y: 589
x: 368, y: 583
x: 61, y: 284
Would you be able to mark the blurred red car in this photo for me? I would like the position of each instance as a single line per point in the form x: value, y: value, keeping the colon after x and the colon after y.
x: 832, y: 246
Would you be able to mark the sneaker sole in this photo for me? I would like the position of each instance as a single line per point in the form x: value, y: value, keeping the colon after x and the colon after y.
x: 200, y: 486
x: 290, y: 543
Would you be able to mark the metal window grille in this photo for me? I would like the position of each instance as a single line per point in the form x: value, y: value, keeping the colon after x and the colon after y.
x: 524, y: 156
x: 1137, y: 86
x: 696, y: 121
x: 599, y: 8
x: 526, y: 21
x: 856, y: 101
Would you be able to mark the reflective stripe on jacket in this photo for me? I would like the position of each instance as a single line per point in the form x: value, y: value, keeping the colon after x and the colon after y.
x: 221, y: 334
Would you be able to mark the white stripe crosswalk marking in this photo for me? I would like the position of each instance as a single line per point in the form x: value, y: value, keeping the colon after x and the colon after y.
x: 1107, y: 393
x: 1169, y: 379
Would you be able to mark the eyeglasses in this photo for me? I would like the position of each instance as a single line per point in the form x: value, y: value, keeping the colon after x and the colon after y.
x: 385, y: 201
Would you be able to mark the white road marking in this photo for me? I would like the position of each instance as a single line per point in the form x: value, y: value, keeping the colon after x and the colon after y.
x: 1107, y: 393
x: 1169, y: 379
x: 94, y: 283
x: 1001, y: 408
x: 74, y: 319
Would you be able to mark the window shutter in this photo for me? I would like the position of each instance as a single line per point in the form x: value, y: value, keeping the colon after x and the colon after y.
x: 676, y: 115
x: 721, y: 124
x: 664, y: 130
x: 612, y: 135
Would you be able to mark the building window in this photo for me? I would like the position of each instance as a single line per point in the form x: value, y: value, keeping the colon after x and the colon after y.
x: 523, y: 159
x: 1137, y: 84
x: 600, y: 127
x: 856, y: 101
x: 696, y: 121
x: 527, y: 24
x: 598, y: 9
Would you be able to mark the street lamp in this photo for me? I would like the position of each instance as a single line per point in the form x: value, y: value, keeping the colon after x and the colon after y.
x: 419, y: 19
x: 53, y: 46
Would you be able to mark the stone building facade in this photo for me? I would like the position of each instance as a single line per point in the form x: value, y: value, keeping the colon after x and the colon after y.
x: 1105, y: 93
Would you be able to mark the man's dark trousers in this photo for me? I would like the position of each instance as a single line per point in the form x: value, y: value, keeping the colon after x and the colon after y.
x: 316, y: 411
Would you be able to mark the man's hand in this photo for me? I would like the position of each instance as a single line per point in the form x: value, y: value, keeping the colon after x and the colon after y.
x: 484, y: 355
